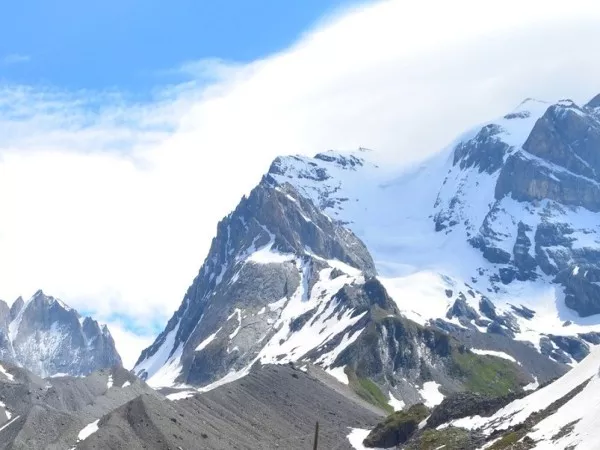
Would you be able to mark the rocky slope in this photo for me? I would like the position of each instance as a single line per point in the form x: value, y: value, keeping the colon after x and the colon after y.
x: 48, y: 338
x: 273, y: 407
x: 52, y: 413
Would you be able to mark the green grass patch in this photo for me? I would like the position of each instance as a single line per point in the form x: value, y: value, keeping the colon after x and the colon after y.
x: 368, y: 390
x: 508, y: 441
x: 487, y: 374
x: 448, y: 438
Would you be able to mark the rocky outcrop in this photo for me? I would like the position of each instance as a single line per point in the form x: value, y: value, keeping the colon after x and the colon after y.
x: 397, y: 428
x: 486, y: 151
x: 468, y: 404
x: 582, y: 288
x: 560, y: 161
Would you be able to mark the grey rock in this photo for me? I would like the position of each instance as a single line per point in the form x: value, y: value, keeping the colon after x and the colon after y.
x: 485, y: 152
x: 50, y: 338
x: 594, y: 103
x: 461, y: 309
x: 467, y: 404
x: 524, y: 261
x: 576, y: 348
x: 16, y: 307
x: 582, y: 288
x: 592, y: 337
x: 48, y: 414
x: 273, y: 407
x: 487, y: 308
x: 523, y: 311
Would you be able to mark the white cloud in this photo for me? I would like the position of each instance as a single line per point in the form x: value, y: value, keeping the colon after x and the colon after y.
x: 111, y: 205
x: 15, y: 58
x: 129, y: 344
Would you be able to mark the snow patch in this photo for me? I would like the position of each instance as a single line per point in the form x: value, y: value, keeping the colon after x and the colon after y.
x: 207, y: 341
x: 339, y: 374
x: 398, y: 405
x: 532, y: 386
x: 6, y: 411
x: 266, y: 255
x: 356, y: 438
x: 181, y: 395
x: 239, y: 327
x: 88, y: 431
x: 494, y: 353
x: 431, y: 394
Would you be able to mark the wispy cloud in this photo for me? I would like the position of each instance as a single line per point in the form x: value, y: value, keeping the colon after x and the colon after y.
x: 15, y: 58
x: 111, y: 203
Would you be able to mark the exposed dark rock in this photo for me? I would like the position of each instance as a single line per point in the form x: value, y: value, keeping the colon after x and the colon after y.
x: 546, y: 348
x: 465, y: 404
x: 273, y: 215
x: 523, y: 311
x: 567, y: 138
x: 571, y: 345
x: 16, y: 307
x: 484, y: 152
x: 301, y: 320
x: 592, y: 337
x: 582, y: 289
x: 498, y: 328
x: 507, y: 274
x: 496, y: 255
x: 524, y: 261
x: 487, y: 308
x: 461, y: 309
x: 595, y: 102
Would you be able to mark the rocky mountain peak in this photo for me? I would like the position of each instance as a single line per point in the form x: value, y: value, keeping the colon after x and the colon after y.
x: 594, y: 103
x: 16, y: 307
x: 269, y: 249
x: 48, y: 337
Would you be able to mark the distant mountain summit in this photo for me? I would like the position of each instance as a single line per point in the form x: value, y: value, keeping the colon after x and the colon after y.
x: 49, y: 338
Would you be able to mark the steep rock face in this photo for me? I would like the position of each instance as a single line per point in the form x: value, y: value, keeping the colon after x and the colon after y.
x: 275, y: 251
x: 49, y: 338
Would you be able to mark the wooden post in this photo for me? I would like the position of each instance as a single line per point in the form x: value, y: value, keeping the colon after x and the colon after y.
x: 316, y: 442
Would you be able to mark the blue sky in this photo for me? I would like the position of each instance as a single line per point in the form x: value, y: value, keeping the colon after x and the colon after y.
x: 135, y: 44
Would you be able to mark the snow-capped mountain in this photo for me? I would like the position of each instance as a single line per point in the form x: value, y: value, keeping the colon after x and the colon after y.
x: 505, y: 217
x: 49, y: 338
x: 389, y: 276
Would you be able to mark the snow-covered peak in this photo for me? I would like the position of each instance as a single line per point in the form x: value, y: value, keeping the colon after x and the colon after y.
x: 47, y: 336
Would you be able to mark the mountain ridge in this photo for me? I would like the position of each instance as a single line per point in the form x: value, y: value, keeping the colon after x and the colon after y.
x: 50, y: 338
